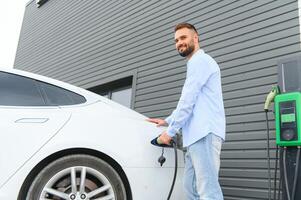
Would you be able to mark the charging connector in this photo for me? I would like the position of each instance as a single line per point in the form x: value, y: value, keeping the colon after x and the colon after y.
x: 161, y: 160
x: 270, y: 97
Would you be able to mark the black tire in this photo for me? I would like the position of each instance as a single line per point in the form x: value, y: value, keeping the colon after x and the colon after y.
x: 100, y: 173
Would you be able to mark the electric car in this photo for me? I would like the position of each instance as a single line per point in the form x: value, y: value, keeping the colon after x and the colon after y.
x: 60, y: 142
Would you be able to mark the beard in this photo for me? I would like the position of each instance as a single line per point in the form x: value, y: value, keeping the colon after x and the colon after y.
x: 189, y: 49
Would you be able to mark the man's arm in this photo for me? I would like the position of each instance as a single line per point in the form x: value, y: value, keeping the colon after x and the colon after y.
x: 197, y: 76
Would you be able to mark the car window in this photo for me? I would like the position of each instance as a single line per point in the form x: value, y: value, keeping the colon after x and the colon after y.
x: 58, y: 96
x: 17, y: 90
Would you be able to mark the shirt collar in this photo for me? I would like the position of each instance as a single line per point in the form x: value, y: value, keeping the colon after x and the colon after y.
x: 194, y: 56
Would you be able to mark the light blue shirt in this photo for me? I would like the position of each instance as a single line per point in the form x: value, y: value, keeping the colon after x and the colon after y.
x: 200, y: 110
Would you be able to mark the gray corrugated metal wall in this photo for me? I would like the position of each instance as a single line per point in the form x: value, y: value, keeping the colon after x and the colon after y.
x: 88, y: 43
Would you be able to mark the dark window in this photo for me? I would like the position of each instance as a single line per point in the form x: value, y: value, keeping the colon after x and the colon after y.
x: 19, y: 91
x: 58, y: 96
x: 121, y: 95
x: 119, y: 91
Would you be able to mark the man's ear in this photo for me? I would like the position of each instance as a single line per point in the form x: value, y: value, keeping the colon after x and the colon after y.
x: 196, y: 38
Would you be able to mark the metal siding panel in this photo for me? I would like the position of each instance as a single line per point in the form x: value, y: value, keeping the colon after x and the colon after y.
x: 245, y: 192
x: 248, y: 136
x: 156, y: 101
x: 157, y: 94
x: 250, y: 183
x: 247, y: 173
x: 243, y: 164
x: 251, y: 23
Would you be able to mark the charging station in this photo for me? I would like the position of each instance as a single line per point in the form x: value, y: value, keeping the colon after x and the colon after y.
x: 287, y: 115
x: 288, y: 137
x: 287, y: 104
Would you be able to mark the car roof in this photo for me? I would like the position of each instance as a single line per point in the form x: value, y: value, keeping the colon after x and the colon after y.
x: 90, y: 96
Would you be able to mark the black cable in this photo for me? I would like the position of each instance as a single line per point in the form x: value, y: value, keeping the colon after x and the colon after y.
x: 296, y: 173
x: 279, y: 186
x: 285, y: 175
x: 174, y: 144
x: 268, y: 156
x: 281, y: 174
x: 276, y: 169
x: 161, y: 160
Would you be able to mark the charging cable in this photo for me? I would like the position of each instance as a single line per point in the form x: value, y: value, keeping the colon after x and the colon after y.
x: 285, y: 174
x: 174, y: 144
x: 288, y: 195
x: 275, y: 172
x: 268, y: 154
x: 281, y: 179
x: 270, y: 98
x: 157, y: 142
x: 296, y: 173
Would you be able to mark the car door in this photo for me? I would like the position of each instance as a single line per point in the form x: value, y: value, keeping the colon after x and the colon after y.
x: 23, y: 132
x: 26, y: 122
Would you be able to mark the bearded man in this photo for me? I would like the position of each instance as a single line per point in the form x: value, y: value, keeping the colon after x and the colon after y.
x: 201, y: 116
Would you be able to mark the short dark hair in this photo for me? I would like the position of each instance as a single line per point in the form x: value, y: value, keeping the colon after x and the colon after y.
x: 185, y: 25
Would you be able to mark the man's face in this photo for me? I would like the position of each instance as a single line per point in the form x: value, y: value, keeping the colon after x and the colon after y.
x: 184, y: 39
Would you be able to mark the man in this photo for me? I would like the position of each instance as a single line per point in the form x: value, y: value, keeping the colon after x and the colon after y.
x: 200, y: 114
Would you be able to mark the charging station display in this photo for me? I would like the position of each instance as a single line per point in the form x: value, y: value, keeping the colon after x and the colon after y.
x: 288, y: 124
x: 286, y: 115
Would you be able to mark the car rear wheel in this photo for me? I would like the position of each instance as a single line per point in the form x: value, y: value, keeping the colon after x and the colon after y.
x: 77, y: 177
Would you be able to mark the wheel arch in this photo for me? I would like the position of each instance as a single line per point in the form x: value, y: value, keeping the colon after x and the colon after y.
x: 34, y: 172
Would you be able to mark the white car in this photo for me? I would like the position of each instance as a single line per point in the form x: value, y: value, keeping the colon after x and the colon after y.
x: 62, y: 142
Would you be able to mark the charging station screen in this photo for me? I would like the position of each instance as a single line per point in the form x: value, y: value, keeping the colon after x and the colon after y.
x: 288, y: 114
x: 287, y: 118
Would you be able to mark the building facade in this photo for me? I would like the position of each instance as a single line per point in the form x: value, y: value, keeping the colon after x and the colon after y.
x: 126, y: 50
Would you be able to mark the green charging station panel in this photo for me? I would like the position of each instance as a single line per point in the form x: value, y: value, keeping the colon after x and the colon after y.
x: 288, y: 119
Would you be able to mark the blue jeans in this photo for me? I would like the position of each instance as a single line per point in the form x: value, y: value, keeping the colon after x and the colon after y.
x: 202, y: 162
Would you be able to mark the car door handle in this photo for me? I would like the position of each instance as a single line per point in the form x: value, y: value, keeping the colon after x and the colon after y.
x: 32, y: 120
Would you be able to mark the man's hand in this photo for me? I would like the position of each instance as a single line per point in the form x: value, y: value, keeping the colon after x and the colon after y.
x: 159, y: 122
x: 164, y: 138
